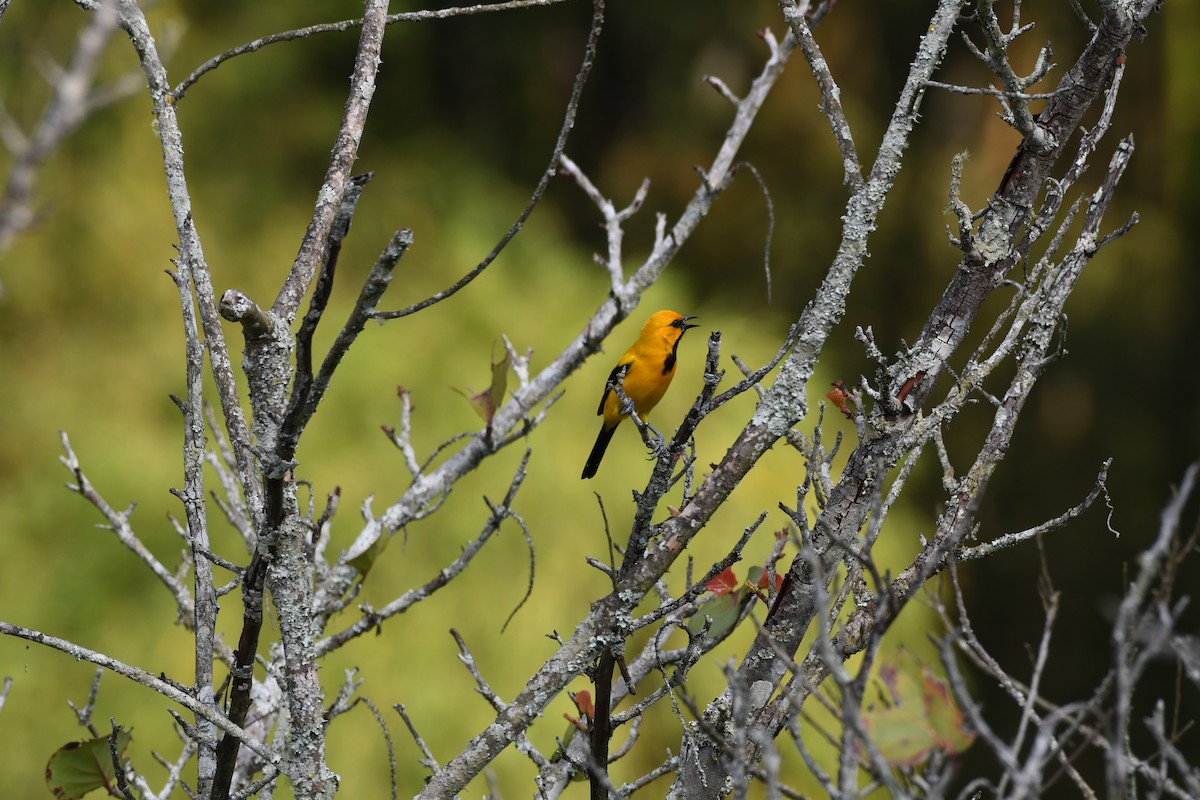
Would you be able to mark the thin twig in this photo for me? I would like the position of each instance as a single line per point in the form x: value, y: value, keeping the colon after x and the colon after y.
x: 831, y: 95
x: 372, y: 620
x: 68, y: 105
x: 118, y: 523
x: 345, y: 151
x: 988, y: 90
x: 556, y: 154
x: 345, y: 25
x: 468, y: 661
x: 163, y: 687
x: 427, y: 759
x: 1011, y: 539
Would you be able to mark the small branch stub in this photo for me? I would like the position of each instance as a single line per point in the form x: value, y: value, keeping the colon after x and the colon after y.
x: 237, y: 307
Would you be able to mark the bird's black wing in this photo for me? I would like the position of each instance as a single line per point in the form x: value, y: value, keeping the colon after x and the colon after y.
x: 618, y: 373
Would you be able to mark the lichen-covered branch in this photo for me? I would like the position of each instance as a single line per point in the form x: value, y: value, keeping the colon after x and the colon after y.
x: 345, y: 151
x: 159, y: 685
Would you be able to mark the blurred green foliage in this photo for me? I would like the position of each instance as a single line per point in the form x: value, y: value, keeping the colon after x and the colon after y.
x: 462, y: 123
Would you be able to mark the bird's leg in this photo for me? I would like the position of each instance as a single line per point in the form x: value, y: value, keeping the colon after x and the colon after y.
x: 656, y: 443
x: 617, y: 384
x: 654, y: 440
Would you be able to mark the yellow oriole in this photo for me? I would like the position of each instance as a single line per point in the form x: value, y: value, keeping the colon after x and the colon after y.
x: 645, y: 372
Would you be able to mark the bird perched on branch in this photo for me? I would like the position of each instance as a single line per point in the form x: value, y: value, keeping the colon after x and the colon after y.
x: 644, y: 372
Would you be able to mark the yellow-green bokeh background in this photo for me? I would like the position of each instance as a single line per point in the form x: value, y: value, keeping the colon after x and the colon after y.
x: 462, y: 122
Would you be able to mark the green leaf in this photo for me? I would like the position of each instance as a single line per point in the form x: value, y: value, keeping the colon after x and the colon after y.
x: 945, y: 717
x: 587, y: 712
x: 567, y: 736
x: 918, y: 715
x: 366, y: 559
x: 77, y: 768
x: 485, y: 403
x: 757, y: 576
x: 722, y: 609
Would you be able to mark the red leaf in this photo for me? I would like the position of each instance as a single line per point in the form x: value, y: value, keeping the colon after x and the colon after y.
x: 583, y: 702
x: 902, y: 395
x: 838, y: 396
x: 724, y: 583
x: 762, y: 580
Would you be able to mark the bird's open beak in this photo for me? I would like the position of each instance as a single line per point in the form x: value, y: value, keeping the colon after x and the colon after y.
x: 684, y: 324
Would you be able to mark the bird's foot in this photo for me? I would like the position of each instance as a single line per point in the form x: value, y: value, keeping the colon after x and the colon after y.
x: 656, y: 443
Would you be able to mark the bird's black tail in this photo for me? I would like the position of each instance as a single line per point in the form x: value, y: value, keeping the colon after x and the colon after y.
x: 593, y: 462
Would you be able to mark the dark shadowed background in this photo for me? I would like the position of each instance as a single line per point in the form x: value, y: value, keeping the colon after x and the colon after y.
x: 462, y: 124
